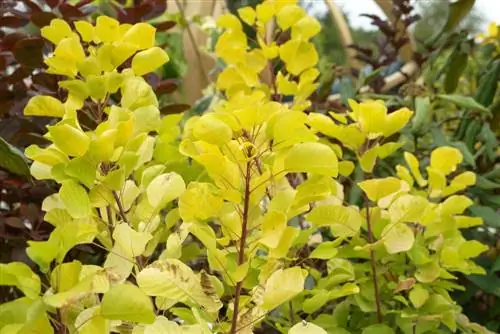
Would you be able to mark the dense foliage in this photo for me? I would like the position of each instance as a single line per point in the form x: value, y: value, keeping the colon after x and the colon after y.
x: 271, y: 211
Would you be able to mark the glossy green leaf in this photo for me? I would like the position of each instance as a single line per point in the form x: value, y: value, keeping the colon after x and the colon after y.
x: 12, y: 159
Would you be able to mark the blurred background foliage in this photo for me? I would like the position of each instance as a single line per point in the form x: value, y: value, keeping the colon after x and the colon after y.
x: 452, y: 86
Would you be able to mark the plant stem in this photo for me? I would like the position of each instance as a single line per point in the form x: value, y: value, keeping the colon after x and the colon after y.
x: 193, y: 42
x: 374, y: 265
x: 120, y: 207
x: 241, y: 253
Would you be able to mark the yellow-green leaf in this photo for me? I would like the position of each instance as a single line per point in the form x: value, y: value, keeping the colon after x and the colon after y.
x: 283, y: 285
x: 75, y: 199
x: 445, y: 159
x: 313, y: 158
x: 306, y: 328
x: 398, y: 237
x: 70, y: 140
x: 43, y: 105
x: 149, y: 60
x: 21, y: 276
x: 128, y: 303
x: 165, y: 188
x: 298, y: 56
x: 141, y: 35
x: 133, y: 243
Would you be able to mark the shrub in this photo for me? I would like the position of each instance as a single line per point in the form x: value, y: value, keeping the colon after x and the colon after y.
x: 261, y: 236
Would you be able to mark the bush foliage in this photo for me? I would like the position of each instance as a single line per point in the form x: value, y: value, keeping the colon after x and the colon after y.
x: 266, y: 213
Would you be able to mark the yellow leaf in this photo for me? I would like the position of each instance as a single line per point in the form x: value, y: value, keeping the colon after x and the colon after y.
x: 397, y: 238
x: 407, y: 209
x: 313, y: 158
x: 56, y: 31
x: 140, y: 35
x: 149, y: 60
x: 298, y: 56
x: 459, y: 183
x: 445, y: 159
x: 346, y: 167
x: 212, y: 130
x: 75, y: 199
x: 455, y: 204
x: 395, y: 121
x: 412, y: 162
x: 229, y: 21
x: 133, y: 243
x: 107, y: 29
x: 305, y: 28
x: 437, y: 182
x: 306, y: 328
x: 42, y: 105
x: 376, y: 189
x: 231, y: 46
x: 368, y: 159
x: 200, y: 201
x: 265, y: 11
x: 282, y: 286
x: 165, y: 188
x: 404, y: 174
x: 70, y: 140
x: 273, y: 226
x: 289, y: 15
x: 247, y: 15
x: 86, y: 30
x: 343, y: 221
x: 387, y: 149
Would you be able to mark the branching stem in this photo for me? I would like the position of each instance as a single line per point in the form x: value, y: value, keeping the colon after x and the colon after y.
x: 241, y: 252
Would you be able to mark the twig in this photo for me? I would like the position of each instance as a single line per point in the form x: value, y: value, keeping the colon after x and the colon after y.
x: 241, y: 253
x: 193, y: 42
x: 120, y: 207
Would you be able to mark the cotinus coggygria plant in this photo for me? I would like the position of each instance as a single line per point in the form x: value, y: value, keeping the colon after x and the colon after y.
x: 262, y: 238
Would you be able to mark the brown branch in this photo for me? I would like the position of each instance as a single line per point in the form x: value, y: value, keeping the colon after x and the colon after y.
x: 120, y: 207
x: 241, y: 253
x: 193, y: 42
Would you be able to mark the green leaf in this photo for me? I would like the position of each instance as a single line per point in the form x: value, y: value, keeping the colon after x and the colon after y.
x: 489, y: 215
x: 488, y: 85
x: 165, y: 188
x: 75, y: 199
x: 312, y: 157
x: 398, y: 237
x: 378, y: 329
x: 128, y: 303
x: 306, y: 328
x: 317, y: 301
x: 462, y: 101
x: 456, y: 67
x: 12, y: 159
x: 457, y: 10
x: 489, y: 284
x: 325, y: 250
x: 418, y: 295
x: 423, y: 113
x: 21, y: 276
